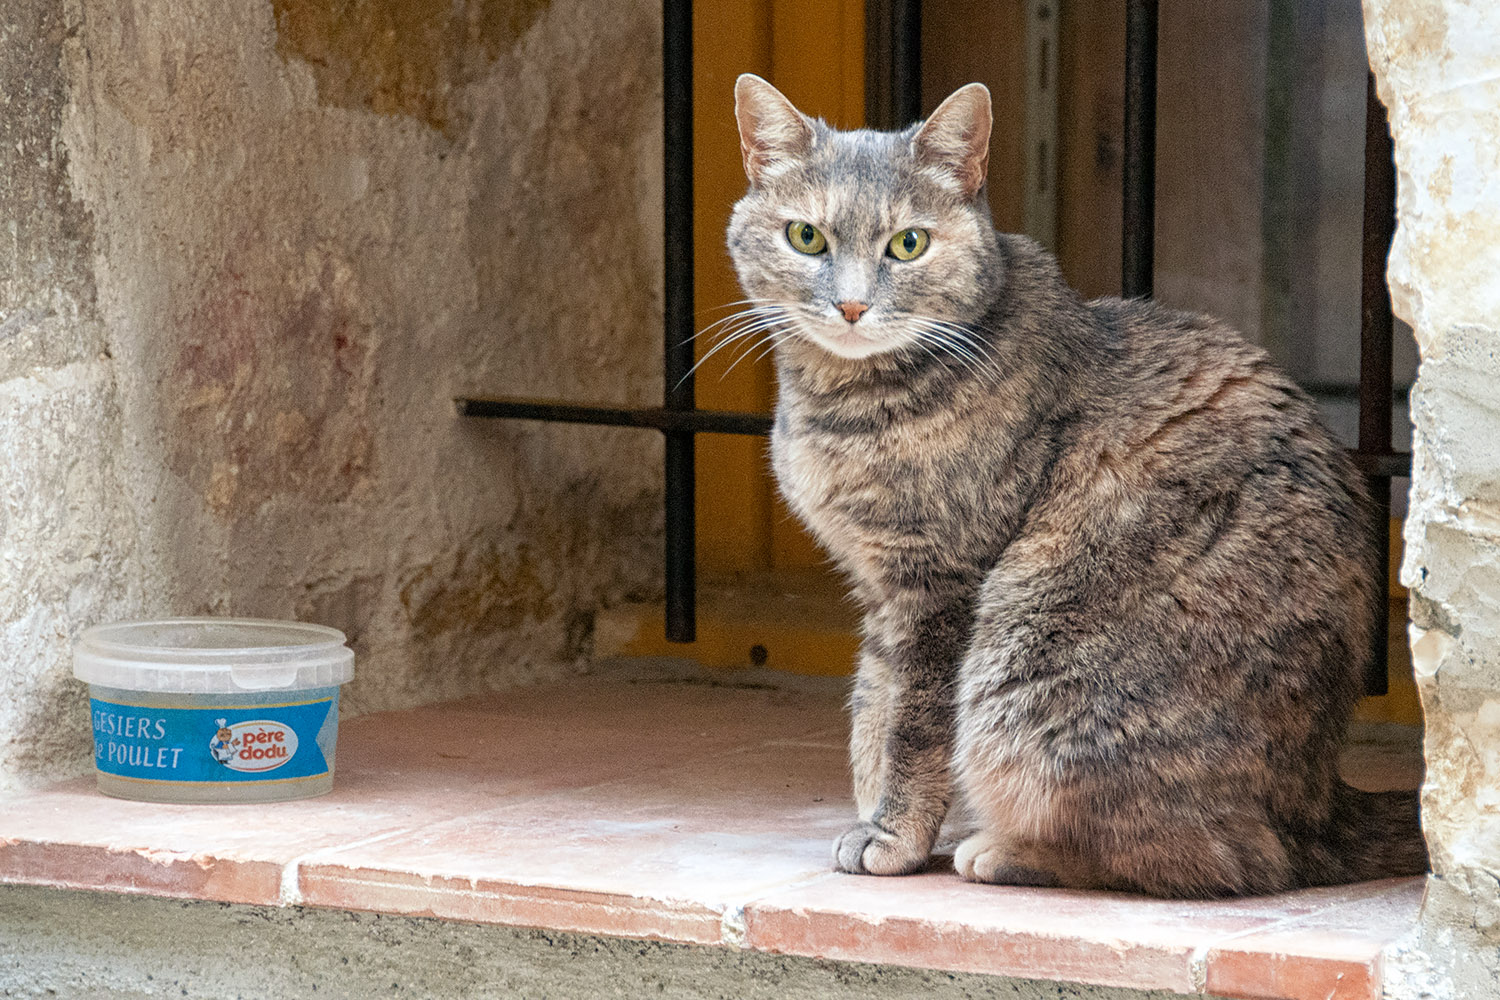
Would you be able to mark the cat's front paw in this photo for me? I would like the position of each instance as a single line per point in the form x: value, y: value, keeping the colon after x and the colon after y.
x: 867, y: 849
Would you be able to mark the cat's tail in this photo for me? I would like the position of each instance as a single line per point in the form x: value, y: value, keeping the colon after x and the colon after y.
x: 1370, y: 835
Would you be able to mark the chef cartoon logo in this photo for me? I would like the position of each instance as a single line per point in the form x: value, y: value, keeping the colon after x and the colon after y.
x: 223, y: 747
x: 254, y: 746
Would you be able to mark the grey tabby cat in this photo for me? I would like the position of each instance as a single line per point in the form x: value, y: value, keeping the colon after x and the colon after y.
x: 1118, y: 583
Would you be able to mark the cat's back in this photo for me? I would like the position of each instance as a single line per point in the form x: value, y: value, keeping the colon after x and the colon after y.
x: 1196, y: 467
x: 1187, y: 398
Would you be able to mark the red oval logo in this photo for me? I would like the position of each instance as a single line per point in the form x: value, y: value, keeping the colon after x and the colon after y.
x: 255, y: 746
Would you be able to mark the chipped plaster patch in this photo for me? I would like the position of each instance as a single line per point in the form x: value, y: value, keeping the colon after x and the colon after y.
x: 1429, y: 648
x: 401, y: 57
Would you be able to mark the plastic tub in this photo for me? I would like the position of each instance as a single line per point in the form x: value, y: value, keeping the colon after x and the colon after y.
x: 214, y: 709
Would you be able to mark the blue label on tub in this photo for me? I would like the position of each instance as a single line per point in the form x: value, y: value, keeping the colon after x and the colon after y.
x: 277, y: 742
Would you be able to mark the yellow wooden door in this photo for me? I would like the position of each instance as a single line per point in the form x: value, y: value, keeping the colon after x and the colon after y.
x: 814, y: 52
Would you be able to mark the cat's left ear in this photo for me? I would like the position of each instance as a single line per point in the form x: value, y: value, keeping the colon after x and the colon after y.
x: 773, y: 133
x: 955, y: 140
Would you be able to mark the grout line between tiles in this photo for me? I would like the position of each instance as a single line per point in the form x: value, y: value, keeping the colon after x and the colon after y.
x: 1198, y: 968
x: 742, y: 929
x: 290, y: 893
x: 732, y: 929
x: 1198, y: 960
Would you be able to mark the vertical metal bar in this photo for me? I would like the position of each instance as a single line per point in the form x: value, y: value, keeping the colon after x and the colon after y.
x: 906, y: 61
x: 1039, y: 128
x: 893, y: 66
x: 1375, y: 348
x: 1139, y: 194
x: 677, y: 162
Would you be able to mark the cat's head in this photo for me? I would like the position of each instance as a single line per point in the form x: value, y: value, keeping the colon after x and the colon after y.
x: 863, y: 243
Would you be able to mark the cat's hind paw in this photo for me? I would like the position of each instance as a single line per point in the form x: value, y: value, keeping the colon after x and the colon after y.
x: 867, y: 849
x: 987, y: 858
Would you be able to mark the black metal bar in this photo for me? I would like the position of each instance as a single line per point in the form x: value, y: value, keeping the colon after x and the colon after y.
x: 1375, y: 333
x: 906, y: 61
x: 660, y: 419
x: 1345, y: 390
x: 1375, y: 349
x: 1139, y: 173
x: 893, y: 63
x: 1382, y: 466
x: 1385, y: 464
x: 677, y: 171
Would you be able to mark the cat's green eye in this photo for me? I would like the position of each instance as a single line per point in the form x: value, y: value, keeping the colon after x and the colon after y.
x: 909, y: 244
x: 805, y: 238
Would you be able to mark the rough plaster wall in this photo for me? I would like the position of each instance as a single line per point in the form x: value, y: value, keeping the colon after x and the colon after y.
x: 74, y: 945
x: 65, y: 541
x: 1438, y: 67
x: 284, y: 241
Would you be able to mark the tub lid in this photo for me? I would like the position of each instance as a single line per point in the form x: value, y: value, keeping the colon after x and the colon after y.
x: 206, y: 655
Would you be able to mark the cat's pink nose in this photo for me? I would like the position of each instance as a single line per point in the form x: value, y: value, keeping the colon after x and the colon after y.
x: 853, y: 310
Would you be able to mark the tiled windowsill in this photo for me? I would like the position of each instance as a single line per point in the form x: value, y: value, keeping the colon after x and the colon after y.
x: 657, y: 804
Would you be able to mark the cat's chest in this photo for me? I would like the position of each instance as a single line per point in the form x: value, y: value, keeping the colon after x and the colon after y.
x: 866, y: 493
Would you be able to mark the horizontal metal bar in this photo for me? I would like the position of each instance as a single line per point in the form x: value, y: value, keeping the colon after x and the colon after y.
x: 1349, y: 390
x: 656, y: 418
x: 1382, y: 465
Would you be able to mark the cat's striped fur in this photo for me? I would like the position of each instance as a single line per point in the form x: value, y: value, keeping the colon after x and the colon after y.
x: 1118, y: 583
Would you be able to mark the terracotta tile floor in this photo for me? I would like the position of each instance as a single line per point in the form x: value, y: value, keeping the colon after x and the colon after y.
x: 651, y: 801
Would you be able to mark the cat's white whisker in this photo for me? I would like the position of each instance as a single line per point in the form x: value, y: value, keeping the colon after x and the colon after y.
x: 958, y: 332
x: 729, y: 339
x: 742, y: 325
x: 927, y: 331
x: 752, y: 313
x: 759, y: 357
x: 920, y: 339
x: 776, y: 341
x: 757, y: 326
x: 740, y: 302
x: 978, y: 345
x: 959, y: 343
x: 737, y: 335
x: 770, y: 338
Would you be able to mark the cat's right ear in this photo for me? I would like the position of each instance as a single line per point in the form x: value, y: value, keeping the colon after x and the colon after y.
x: 773, y: 134
x: 954, y: 143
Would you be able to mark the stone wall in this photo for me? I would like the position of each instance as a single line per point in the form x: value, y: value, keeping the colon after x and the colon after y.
x: 1437, y: 63
x: 253, y: 251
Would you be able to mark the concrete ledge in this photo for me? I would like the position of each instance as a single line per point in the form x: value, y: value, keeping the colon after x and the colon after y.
x: 86, y: 945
